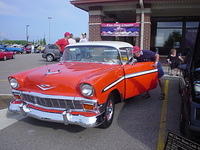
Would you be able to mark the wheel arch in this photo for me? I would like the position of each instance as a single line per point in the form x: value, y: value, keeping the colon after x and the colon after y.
x: 117, y: 96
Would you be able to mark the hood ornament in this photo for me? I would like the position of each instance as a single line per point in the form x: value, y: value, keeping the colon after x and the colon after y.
x: 52, y: 72
x: 45, y: 87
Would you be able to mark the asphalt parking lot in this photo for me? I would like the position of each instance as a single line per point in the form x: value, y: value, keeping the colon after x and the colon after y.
x: 139, y: 124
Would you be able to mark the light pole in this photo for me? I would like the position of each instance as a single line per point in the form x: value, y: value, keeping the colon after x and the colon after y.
x: 27, y: 36
x: 49, y: 18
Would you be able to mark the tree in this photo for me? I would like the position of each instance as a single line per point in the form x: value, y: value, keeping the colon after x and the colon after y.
x: 172, y: 39
x: 44, y: 41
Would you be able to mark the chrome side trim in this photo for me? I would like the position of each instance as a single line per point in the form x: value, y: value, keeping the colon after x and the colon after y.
x: 129, y: 76
x: 140, y: 73
x: 113, y: 84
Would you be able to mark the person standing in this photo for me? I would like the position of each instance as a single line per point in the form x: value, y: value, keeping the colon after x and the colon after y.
x: 148, y: 56
x: 71, y: 40
x: 83, y: 38
x: 174, y: 61
x: 62, y: 43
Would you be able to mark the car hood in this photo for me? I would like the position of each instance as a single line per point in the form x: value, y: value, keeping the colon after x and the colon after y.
x: 63, y: 78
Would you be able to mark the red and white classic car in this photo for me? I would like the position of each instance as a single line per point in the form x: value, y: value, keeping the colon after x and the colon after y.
x: 84, y: 86
x: 6, y: 55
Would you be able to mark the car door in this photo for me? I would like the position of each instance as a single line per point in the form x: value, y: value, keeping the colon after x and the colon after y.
x: 139, y: 76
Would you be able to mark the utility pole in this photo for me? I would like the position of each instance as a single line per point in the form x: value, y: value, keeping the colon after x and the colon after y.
x: 49, y: 18
x: 27, y: 36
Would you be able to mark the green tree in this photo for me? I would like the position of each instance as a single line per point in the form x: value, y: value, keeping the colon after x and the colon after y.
x: 172, y: 39
x: 44, y: 41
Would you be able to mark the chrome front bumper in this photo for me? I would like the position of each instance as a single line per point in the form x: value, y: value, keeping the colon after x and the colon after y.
x: 65, y: 116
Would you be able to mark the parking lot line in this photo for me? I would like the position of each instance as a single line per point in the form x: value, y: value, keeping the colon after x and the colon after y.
x: 163, y: 118
x: 8, y: 119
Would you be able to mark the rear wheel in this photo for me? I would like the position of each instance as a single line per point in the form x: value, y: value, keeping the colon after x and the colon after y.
x: 49, y: 58
x: 109, y: 113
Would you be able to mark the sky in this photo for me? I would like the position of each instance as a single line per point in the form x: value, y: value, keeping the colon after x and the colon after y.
x: 15, y: 15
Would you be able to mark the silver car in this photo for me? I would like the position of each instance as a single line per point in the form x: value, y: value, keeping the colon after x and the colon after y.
x: 51, y: 53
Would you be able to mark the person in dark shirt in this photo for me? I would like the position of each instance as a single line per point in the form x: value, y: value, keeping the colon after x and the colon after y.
x: 174, y: 61
x: 150, y: 56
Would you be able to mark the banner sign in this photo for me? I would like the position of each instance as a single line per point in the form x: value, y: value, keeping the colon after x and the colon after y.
x: 120, y: 29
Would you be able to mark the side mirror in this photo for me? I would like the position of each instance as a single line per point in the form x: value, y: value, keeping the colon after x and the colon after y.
x: 132, y: 61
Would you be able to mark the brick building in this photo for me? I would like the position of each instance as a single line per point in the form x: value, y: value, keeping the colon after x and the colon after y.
x: 164, y: 24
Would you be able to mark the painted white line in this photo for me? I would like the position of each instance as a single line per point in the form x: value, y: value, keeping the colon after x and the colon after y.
x: 6, y: 95
x: 7, y: 118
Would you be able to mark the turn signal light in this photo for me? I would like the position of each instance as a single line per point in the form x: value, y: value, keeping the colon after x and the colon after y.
x: 88, y: 106
x: 17, y: 96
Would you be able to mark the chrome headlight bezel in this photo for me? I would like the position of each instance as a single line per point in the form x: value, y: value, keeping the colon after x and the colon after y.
x: 14, y: 83
x: 87, y: 90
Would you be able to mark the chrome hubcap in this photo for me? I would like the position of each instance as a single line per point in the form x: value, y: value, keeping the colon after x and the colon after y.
x: 49, y: 58
x: 109, y: 110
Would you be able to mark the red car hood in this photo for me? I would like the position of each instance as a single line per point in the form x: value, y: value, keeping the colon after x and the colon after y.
x: 63, y: 78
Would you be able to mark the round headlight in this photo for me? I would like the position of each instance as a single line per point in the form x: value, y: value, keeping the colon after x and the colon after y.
x: 87, y: 90
x: 14, y: 83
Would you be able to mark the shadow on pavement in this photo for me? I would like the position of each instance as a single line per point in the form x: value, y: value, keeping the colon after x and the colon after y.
x: 140, y: 118
x: 53, y: 125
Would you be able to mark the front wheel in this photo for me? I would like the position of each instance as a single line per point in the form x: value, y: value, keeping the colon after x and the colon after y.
x: 109, y: 113
x: 49, y: 58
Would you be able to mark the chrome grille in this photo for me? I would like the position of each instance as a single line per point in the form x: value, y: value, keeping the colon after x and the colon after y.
x: 51, y: 102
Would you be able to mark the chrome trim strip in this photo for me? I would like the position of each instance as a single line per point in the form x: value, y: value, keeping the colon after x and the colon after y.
x: 52, y: 108
x: 113, y: 84
x: 54, y: 96
x: 129, y: 76
x: 140, y: 73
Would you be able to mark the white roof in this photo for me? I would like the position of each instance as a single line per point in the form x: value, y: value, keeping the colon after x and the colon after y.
x: 116, y: 44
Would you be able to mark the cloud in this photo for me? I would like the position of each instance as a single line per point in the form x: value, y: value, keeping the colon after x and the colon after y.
x: 6, y: 9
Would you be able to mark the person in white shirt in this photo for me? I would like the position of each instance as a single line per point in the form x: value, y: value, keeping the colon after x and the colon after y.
x: 83, y: 38
x: 71, y: 40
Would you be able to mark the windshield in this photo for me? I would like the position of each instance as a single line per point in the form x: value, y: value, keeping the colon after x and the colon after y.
x: 96, y: 54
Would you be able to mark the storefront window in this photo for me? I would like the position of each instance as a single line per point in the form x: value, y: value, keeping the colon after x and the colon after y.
x: 169, y: 35
x: 191, y: 33
x: 168, y: 38
x: 169, y: 24
x: 193, y: 24
x: 178, y: 34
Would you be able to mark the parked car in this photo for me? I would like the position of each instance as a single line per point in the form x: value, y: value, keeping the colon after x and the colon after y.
x: 27, y: 48
x: 83, y: 88
x: 6, y: 55
x: 10, y: 48
x: 190, y: 92
x: 39, y: 48
x: 51, y: 53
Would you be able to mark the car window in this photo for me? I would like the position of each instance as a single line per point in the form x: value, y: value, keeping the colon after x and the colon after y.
x: 126, y: 54
x: 53, y: 47
x: 97, y: 54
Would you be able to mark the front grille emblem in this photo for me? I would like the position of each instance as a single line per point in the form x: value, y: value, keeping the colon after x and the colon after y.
x: 45, y: 87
